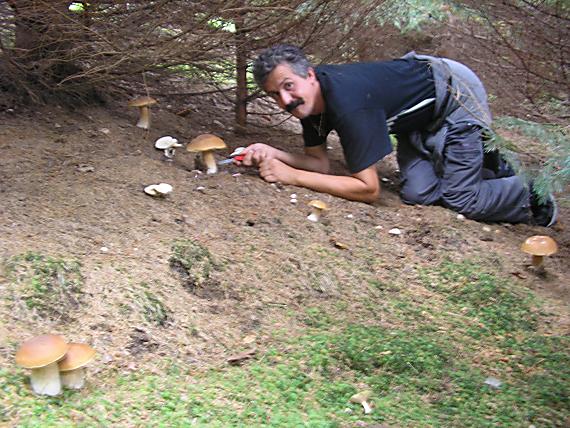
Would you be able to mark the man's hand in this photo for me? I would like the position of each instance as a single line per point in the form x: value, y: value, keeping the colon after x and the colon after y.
x: 257, y: 153
x: 273, y: 170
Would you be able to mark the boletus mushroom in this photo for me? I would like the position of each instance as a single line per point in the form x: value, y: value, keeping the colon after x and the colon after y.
x: 362, y: 399
x: 72, y: 366
x: 205, y: 145
x: 317, y: 208
x: 538, y: 247
x: 41, y: 355
x: 143, y: 103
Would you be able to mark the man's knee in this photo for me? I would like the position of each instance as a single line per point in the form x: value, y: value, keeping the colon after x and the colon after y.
x: 470, y: 201
x: 463, y: 201
x: 420, y: 194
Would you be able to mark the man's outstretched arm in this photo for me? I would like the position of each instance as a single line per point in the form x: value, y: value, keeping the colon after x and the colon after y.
x: 363, y: 186
x: 310, y: 170
x: 314, y: 158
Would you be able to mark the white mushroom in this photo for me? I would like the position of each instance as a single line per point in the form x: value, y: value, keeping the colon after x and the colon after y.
x: 168, y: 144
x: 159, y: 190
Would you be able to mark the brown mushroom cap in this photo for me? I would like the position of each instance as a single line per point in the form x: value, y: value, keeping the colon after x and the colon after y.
x: 78, y: 355
x: 41, y: 351
x: 361, y: 396
x: 205, y: 142
x: 142, y: 102
x: 540, y: 246
x: 318, y: 204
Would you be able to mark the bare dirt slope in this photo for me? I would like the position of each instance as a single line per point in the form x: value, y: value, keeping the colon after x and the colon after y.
x: 71, y: 186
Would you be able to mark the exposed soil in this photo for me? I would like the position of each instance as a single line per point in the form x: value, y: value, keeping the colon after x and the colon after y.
x: 71, y: 185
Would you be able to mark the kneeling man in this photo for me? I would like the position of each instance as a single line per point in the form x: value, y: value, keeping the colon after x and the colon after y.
x: 437, y: 109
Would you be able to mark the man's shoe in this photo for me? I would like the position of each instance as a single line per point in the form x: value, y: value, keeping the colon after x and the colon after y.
x: 545, y: 213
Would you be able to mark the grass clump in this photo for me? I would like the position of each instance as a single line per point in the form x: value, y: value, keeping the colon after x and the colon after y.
x: 49, y: 286
x: 492, y: 301
x: 397, y: 352
x: 152, y: 308
x: 193, y: 261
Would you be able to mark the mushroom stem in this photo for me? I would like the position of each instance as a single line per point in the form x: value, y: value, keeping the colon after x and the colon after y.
x: 74, y: 379
x: 367, y: 408
x: 537, y: 260
x: 315, y: 214
x: 210, y: 162
x: 45, y: 380
x: 144, y: 119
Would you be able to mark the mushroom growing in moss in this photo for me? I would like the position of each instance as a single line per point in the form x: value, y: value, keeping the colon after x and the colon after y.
x: 41, y: 354
x: 206, y: 144
x: 538, y: 247
x: 362, y: 399
x: 72, y: 366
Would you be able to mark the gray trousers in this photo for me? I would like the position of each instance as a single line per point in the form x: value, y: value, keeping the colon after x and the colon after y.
x: 463, y: 184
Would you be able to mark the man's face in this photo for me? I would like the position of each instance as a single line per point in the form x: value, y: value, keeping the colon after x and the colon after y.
x: 292, y: 92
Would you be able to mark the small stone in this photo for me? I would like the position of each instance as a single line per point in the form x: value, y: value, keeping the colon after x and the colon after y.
x: 395, y: 231
x: 293, y: 201
x: 460, y: 217
x: 349, y: 216
x: 493, y: 382
x: 486, y: 229
x: 85, y: 168
x: 104, y: 250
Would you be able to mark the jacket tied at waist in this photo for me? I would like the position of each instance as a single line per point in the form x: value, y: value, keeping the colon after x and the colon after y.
x: 460, y: 100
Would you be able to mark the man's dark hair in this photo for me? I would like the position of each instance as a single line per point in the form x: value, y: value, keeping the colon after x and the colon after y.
x: 280, y: 54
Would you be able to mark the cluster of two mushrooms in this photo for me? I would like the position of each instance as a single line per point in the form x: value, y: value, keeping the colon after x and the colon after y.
x: 54, y: 363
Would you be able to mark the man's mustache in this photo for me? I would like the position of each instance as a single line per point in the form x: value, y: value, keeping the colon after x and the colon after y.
x: 294, y: 104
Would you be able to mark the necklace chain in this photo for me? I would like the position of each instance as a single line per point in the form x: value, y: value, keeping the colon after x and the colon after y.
x: 320, y: 128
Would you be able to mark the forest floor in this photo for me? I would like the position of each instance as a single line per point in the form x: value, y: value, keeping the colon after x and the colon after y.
x: 222, y: 305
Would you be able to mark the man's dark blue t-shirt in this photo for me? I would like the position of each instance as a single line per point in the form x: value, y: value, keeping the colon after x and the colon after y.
x: 360, y: 97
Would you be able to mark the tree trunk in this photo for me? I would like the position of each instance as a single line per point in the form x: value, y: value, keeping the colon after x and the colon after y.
x: 35, y: 27
x: 241, y: 74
